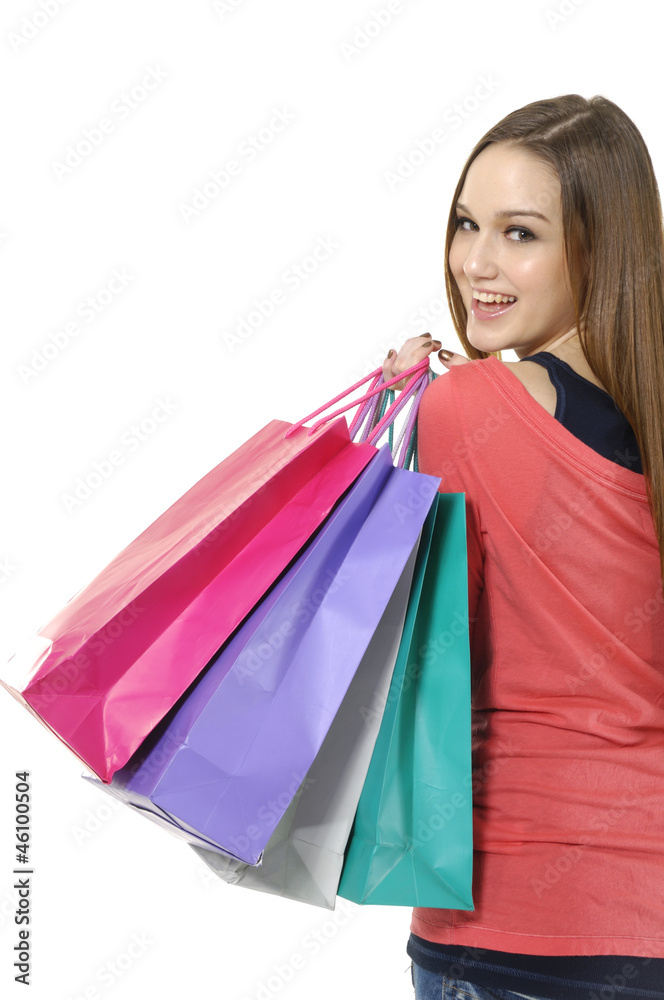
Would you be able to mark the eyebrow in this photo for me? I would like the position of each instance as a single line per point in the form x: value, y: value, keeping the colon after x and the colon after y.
x: 508, y: 213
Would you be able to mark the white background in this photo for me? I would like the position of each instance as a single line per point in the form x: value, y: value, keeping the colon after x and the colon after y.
x: 219, y: 73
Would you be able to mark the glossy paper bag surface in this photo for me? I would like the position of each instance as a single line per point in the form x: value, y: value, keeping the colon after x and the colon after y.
x: 234, y: 754
x: 303, y: 857
x: 124, y: 649
x: 412, y: 840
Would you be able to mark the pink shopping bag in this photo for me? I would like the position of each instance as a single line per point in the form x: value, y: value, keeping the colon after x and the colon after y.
x: 122, y: 651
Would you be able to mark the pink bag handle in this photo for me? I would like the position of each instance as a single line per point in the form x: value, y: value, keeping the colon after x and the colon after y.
x: 415, y: 372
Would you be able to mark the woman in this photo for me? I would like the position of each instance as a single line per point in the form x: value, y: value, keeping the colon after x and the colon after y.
x: 555, y: 250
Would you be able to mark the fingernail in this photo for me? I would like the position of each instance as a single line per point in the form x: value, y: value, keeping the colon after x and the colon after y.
x: 425, y: 334
x: 389, y: 355
x: 445, y: 355
x: 433, y: 344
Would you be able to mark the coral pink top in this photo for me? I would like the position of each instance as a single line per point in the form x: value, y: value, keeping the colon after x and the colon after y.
x: 567, y: 648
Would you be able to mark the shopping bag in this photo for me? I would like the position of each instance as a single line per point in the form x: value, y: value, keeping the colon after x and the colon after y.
x: 233, y: 756
x: 411, y: 843
x: 111, y: 664
x: 303, y: 858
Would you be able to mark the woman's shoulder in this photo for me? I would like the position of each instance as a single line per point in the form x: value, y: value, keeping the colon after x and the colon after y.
x: 474, y: 382
x: 536, y: 380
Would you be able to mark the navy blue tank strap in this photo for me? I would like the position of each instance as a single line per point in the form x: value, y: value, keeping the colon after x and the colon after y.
x: 549, y: 361
x: 590, y: 413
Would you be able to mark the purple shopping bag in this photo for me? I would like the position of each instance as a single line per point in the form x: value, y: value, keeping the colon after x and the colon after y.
x: 228, y: 760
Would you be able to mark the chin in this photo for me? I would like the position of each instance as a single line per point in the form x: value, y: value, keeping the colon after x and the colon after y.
x: 487, y: 344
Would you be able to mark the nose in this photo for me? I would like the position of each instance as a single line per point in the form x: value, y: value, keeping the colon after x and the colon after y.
x: 480, y: 260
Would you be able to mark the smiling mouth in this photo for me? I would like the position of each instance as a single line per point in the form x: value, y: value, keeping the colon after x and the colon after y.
x: 487, y: 310
x: 492, y: 296
x: 492, y: 306
x: 489, y: 305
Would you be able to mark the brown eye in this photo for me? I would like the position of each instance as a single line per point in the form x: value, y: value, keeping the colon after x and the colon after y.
x: 527, y: 235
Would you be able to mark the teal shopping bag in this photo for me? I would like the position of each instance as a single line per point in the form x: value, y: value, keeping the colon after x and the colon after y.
x: 412, y: 841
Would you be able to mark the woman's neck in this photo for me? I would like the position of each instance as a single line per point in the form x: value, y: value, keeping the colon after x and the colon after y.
x: 568, y: 348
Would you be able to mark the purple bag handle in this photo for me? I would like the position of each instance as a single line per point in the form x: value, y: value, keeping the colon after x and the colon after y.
x: 371, y: 432
x: 404, y: 439
x: 408, y: 428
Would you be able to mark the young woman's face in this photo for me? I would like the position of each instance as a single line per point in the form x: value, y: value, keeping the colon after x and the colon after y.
x: 501, y: 247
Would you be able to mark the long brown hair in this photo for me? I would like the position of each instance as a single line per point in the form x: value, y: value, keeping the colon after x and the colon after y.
x: 614, y: 249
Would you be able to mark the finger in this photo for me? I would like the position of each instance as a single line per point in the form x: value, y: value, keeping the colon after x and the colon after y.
x: 387, y: 365
x: 429, y: 343
x: 391, y: 369
x: 414, y: 351
x: 450, y: 358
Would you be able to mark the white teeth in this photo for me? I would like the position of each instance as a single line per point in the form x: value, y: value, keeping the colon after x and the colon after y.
x: 491, y: 297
